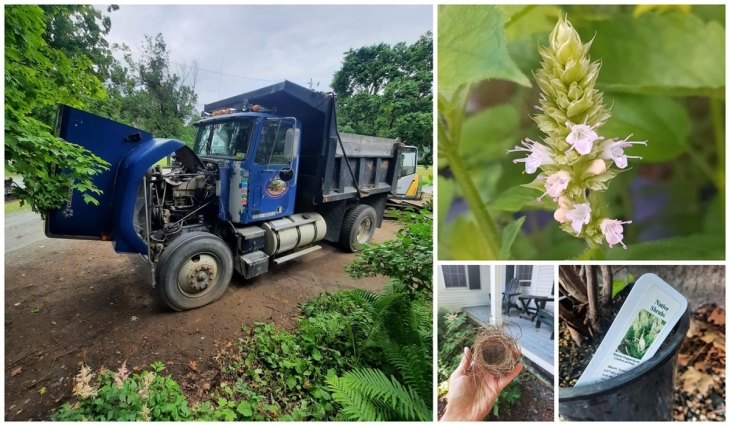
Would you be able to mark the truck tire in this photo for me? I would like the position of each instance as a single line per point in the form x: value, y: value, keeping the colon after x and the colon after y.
x: 194, y: 270
x: 358, y: 227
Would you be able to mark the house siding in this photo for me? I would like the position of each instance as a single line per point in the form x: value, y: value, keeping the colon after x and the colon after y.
x: 542, y: 283
x: 454, y: 299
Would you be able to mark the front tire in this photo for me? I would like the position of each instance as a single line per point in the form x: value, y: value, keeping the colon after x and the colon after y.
x: 194, y: 270
x: 358, y: 227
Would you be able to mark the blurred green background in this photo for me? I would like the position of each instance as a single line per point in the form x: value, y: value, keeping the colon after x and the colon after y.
x: 663, y: 74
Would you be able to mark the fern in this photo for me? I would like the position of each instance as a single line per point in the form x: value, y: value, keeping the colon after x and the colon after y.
x: 369, y: 395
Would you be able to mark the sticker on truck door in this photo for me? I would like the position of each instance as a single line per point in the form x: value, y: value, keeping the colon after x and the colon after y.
x: 276, y: 188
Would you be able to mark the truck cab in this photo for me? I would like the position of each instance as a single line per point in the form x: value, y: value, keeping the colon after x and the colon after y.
x: 260, y: 151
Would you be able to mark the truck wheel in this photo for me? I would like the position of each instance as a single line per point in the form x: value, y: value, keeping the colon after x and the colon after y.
x: 358, y: 227
x: 194, y: 270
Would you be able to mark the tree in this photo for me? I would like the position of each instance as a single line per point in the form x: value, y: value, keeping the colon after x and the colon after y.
x: 38, y: 76
x: 154, y: 98
x: 387, y: 91
x: 583, y: 309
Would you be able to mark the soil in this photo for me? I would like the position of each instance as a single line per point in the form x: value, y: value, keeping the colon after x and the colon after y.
x: 535, y: 405
x: 574, y: 359
x: 71, y: 301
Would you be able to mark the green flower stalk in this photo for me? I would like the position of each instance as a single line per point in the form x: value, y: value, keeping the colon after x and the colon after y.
x: 574, y: 161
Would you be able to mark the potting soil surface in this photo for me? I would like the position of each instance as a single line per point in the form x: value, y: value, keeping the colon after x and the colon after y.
x: 699, y: 392
x: 573, y: 359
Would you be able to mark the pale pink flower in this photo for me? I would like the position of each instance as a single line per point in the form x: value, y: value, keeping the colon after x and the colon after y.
x: 613, y: 230
x: 581, y: 137
x: 614, y: 150
x: 82, y: 388
x: 555, y: 184
x: 597, y: 167
x: 539, y: 155
x: 121, y: 375
x: 579, y: 215
x: 563, y: 208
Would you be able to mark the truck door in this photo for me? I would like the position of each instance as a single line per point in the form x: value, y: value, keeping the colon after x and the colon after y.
x: 273, y: 179
x: 409, y: 181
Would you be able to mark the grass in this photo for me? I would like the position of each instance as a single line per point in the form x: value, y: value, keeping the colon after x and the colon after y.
x: 14, y: 207
x: 425, y: 171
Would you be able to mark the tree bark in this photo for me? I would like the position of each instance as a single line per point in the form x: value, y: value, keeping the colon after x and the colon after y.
x: 572, y: 283
x: 607, y: 275
x: 595, y: 313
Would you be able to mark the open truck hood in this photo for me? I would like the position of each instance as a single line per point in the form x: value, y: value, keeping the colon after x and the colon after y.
x: 130, y: 152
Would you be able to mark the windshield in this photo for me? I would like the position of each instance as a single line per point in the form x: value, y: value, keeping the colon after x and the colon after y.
x: 230, y: 138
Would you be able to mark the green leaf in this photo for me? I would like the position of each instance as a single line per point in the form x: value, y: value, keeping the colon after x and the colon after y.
x: 519, y: 198
x: 468, y: 242
x: 291, y: 382
x: 663, y: 122
x: 244, y: 408
x: 487, y: 135
x: 472, y: 47
x: 508, y: 237
x: 316, y: 355
x: 693, y: 247
x: 668, y: 54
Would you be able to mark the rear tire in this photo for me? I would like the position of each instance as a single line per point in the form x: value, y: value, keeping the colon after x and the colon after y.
x: 194, y: 270
x: 358, y: 227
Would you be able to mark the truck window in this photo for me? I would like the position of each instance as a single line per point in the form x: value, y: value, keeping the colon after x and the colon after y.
x: 230, y: 139
x: 408, y: 161
x: 272, y: 143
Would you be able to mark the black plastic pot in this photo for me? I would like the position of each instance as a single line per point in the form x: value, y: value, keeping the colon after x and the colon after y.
x: 645, y: 393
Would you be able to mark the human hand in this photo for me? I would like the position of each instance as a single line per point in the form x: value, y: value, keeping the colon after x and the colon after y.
x: 472, y: 395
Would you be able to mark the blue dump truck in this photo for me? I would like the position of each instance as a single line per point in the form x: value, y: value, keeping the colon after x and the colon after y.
x: 267, y: 178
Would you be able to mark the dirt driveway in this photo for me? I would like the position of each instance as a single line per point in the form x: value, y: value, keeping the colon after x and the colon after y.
x: 70, y: 301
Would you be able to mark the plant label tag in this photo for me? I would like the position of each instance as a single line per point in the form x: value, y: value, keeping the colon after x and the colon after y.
x: 644, y: 321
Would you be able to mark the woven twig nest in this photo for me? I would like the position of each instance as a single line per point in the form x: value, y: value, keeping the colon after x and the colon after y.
x: 495, y: 351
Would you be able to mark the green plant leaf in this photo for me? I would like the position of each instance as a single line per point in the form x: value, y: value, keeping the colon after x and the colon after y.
x: 244, y: 408
x: 472, y: 47
x: 508, y: 237
x: 519, y: 198
x: 468, y: 242
x: 668, y: 54
x: 693, y: 247
x: 487, y: 135
x: 662, y: 121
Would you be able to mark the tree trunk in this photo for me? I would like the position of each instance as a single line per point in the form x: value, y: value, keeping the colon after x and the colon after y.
x: 595, y: 313
x: 607, y: 275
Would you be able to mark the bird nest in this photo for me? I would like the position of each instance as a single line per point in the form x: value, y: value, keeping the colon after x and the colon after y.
x: 495, y: 351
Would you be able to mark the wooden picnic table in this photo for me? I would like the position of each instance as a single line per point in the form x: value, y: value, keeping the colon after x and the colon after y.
x: 540, y: 302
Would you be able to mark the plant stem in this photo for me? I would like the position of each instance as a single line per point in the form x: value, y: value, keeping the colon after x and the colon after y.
x: 474, y: 200
x: 718, y: 124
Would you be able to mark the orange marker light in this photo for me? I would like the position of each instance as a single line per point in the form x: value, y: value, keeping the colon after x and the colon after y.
x: 228, y: 110
x: 255, y: 108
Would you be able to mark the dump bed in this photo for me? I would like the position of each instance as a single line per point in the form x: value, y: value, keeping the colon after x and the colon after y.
x: 324, y: 174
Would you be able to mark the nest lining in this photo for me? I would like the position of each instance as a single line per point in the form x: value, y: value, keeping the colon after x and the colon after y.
x: 495, y: 351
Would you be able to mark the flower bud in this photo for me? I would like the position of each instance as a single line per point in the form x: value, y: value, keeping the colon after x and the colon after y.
x: 597, y: 167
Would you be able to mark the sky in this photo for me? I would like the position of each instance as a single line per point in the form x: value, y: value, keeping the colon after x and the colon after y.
x: 265, y: 44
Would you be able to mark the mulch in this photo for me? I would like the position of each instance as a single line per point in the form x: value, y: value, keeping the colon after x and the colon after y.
x: 699, y: 393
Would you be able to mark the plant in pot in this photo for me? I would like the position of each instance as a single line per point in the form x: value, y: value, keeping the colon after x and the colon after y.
x: 586, y: 310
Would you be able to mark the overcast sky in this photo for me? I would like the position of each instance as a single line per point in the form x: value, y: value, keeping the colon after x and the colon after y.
x: 272, y: 43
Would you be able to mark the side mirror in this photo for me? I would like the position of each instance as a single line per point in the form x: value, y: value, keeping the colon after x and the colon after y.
x: 286, y: 174
x: 291, y: 142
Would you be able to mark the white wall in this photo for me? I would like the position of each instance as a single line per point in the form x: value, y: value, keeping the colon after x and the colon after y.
x: 454, y: 299
x: 542, y: 283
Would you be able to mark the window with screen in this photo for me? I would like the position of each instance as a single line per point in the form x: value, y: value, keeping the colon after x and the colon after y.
x: 523, y: 273
x: 454, y: 276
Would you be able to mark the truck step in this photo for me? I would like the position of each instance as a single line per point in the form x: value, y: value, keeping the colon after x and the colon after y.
x: 294, y: 255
